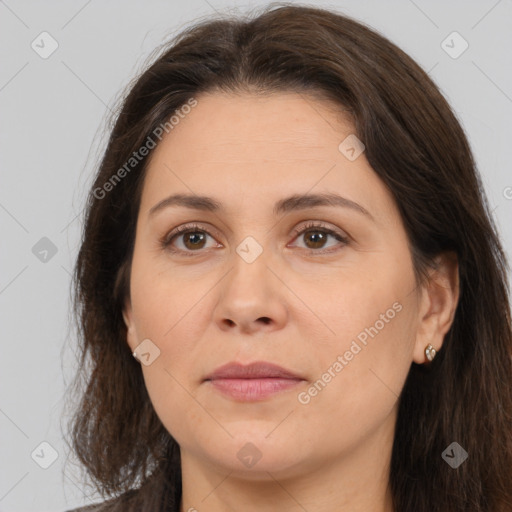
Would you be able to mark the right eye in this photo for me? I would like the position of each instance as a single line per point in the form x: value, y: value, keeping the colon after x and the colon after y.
x: 192, y: 237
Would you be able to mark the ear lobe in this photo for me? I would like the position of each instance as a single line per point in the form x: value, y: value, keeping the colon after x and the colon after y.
x: 439, y: 299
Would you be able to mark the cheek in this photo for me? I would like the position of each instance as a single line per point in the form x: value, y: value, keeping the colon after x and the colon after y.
x: 372, y: 347
x: 373, y: 316
x: 359, y: 384
x: 366, y: 303
x: 173, y: 403
x: 168, y: 310
x: 165, y: 303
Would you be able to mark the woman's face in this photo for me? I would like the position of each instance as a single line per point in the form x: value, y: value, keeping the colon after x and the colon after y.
x: 275, y: 273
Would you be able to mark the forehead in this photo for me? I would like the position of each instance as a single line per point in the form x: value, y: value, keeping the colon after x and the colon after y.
x: 283, y: 126
x: 250, y: 146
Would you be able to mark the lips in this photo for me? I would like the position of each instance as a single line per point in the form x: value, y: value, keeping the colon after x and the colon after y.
x: 253, y: 382
x: 257, y: 370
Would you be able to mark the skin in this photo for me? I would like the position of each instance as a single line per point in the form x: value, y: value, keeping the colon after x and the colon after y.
x: 292, y: 306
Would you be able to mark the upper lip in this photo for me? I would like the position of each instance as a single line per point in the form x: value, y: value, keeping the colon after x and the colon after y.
x: 256, y: 370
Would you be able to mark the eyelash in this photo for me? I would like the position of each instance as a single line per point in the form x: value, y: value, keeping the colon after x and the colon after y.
x: 166, y: 241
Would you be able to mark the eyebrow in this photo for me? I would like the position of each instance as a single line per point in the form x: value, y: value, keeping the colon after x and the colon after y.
x: 292, y: 203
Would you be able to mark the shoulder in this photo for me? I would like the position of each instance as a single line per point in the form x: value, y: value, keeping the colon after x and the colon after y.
x: 99, y: 507
x: 112, y: 505
x: 154, y: 492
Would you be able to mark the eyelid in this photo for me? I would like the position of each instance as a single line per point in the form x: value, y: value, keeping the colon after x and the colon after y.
x: 189, y: 226
x: 311, y: 224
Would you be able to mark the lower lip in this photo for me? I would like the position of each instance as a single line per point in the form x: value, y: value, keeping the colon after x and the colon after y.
x: 250, y: 390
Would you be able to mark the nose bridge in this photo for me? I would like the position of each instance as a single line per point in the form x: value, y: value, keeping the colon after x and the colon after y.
x: 250, y: 275
x: 249, y: 294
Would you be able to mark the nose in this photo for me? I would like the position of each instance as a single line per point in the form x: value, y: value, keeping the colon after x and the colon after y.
x: 252, y: 298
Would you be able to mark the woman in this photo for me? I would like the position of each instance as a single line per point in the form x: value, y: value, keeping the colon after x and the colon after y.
x: 290, y: 289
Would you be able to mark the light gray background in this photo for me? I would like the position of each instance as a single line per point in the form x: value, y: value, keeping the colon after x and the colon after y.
x: 52, y: 119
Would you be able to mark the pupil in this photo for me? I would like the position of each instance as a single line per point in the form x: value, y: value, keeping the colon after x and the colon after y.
x: 317, y: 237
x: 195, y: 237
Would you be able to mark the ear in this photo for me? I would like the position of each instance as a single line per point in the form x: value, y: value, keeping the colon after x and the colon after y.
x: 438, y: 301
x: 131, y: 333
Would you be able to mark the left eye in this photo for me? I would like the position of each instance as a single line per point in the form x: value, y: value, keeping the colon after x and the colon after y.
x: 317, y: 235
x: 193, y: 238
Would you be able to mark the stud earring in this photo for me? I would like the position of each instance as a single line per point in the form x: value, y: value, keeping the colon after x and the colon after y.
x: 430, y: 352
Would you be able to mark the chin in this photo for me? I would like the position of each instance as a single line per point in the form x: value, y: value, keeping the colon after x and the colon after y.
x: 253, y: 457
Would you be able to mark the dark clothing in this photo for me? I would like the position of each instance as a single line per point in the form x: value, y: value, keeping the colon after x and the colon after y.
x: 156, y: 495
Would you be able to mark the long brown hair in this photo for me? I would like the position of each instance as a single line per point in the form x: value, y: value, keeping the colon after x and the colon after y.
x: 418, y: 149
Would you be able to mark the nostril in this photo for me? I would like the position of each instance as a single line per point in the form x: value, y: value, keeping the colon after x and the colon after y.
x: 265, y: 319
